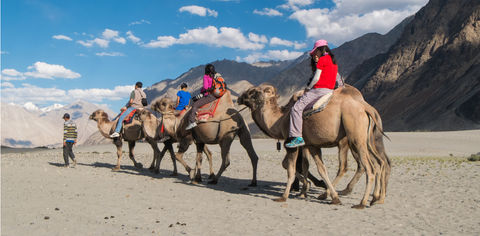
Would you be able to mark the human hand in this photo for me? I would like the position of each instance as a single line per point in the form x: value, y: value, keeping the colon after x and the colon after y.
x: 64, y: 144
x: 123, y: 109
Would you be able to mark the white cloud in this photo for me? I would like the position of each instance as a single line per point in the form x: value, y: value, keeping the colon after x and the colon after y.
x: 7, y: 85
x: 110, y: 54
x: 107, y: 36
x: 257, y: 38
x: 271, y: 55
x: 49, y: 71
x: 210, y: 35
x: 295, y: 5
x: 37, y: 95
x: 87, y: 44
x: 275, y: 41
x: 132, y: 37
x: 198, y: 10
x: 267, y: 12
x: 350, y: 19
x: 62, y: 37
x: 11, y: 72
x: 142, y: 21
x: 101, y: 42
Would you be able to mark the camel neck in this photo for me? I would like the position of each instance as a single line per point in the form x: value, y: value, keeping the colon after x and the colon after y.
x: 271, y: 120
x: 104, y: 126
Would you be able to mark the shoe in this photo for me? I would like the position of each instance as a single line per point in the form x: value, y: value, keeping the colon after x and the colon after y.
x: 115, y: 135
x: 164, y: 139
x: 296, y: 142
x: 191, y: 126
x: 74, y: 163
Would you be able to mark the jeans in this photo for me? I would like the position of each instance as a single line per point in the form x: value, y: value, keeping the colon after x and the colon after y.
x: 67, y: 151
x: 122, y: 117
x: 307, y: 100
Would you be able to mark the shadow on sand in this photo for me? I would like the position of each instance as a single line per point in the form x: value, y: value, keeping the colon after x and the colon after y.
x: 264, y: 189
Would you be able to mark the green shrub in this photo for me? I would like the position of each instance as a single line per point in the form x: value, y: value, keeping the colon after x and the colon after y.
x: 474, y: 157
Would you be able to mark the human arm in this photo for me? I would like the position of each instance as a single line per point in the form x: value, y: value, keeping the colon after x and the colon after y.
x: 315, y: 78
x: 130, y: 101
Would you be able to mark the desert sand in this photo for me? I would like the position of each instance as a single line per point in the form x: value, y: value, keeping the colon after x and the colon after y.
x: 433, y: 190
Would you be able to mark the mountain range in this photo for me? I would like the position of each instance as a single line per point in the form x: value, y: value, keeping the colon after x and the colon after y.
x: 32, y: 127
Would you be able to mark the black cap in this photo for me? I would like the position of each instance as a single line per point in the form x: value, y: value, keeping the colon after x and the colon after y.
x: 66, y: 115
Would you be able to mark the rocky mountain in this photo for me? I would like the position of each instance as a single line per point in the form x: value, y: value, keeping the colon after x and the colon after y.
x: 430, y: 78
x: 33, y: 128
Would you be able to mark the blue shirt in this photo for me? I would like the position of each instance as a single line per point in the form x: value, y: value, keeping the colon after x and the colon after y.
x: 184, y: 99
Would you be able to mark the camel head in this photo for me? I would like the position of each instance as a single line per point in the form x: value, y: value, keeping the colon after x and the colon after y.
x: 143, y: 114
x: 163, y: 105
x: 98, y: 114
x: 256, y: 97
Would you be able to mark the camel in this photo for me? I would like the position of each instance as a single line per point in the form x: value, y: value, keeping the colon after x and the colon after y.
x: 221, y: 129
x: 344, y: 116
x: 152, y: 128
x: 132, y: 133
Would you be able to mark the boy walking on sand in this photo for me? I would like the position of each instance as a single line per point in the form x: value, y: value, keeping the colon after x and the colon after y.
x: 69, y: 139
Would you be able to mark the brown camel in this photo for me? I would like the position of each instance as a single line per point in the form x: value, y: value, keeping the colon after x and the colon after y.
x: 344, y: 116
x: 221, y: 129
x: 152, y: 128
x: 132, y: 133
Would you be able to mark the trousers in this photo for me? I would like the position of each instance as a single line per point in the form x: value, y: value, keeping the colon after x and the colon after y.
x: 306, y: 101
x: 122, y: 117
x: 68, y: 151
x: 202, y: 101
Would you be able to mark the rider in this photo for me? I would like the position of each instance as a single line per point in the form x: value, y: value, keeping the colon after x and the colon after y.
x: 205, y: 97
x: 325, y: 71
x: 183, y: 98
x: 133, y: 103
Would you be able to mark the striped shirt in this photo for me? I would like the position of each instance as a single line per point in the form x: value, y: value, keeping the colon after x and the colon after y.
x: 69, y: 131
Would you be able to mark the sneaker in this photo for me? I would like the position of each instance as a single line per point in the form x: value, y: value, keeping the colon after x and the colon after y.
x: 191, y: 126
x: 296, y: 142
x: 74, y: 163
x: 164, y: 139
x: 115, y: 135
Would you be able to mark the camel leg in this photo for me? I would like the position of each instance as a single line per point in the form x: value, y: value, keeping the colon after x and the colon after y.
x: 119, y: 144
x: 356, y: 177
x: 159, y: 159
x: 289, y: 163
x: 169, y: 146
x: 342, y: 167
x: 246, y: 142
x: 362, y: 153
x: 225, y: 149
x: 179, y: 156
x: 303, y: 176
x: 131, y: 147
x: 198, y: 166
x: 156, y: 153
x: 209, y: 157
x: 379, y: 146
x: 322, y: 170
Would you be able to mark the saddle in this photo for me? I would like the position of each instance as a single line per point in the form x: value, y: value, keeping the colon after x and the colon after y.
x: 207, y: 111
x: 318, y: 106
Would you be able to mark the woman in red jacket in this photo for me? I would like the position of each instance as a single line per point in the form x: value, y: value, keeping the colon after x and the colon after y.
x: 325, y: 71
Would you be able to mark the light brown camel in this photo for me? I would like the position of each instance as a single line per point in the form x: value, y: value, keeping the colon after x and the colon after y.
x: 152, y: 128
x: 344, y: 116
x: 132, y: 133
x: 221, y: 129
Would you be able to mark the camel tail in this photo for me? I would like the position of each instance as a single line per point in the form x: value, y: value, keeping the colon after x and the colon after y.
x: 373, y: 113
x: 377, y: 127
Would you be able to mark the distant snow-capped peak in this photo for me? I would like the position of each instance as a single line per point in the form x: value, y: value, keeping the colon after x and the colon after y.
x: 30, y: 106
x: 55, y: 106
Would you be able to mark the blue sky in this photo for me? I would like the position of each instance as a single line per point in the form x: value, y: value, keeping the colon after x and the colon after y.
x: 59, y: 51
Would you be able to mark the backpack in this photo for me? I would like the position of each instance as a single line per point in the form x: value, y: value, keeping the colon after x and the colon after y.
x: 219, y: 87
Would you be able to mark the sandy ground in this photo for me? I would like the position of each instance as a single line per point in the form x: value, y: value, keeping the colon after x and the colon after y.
x: 433, y: 190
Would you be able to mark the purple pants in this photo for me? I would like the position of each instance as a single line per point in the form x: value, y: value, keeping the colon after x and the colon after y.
x: 306, y: 101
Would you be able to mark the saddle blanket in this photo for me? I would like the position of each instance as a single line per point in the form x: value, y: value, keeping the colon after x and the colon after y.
x: 319, y: 105
x: 129, y: 118
x: 207, y: 111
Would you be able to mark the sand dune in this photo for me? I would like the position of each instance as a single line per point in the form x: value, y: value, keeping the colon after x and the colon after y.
x: 433, y: 190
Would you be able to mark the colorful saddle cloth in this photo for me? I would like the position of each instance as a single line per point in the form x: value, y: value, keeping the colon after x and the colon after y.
x: 207, y: 111
x: 129, y: 117
x: 319, y: 105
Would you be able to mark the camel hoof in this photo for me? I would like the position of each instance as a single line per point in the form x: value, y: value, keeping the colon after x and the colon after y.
x: 116, y: 168
x: 336, y: 201
x: 139, y: 165
x: 375, y: 202
x: 359, y: 206
x: 211, y: 176
x: 192, y: 174
x: 198, y: 179
x: 253, y: 184
x: 322, y: 196
x: 344, y: 192
x: 280, y: 199
x: 302, y: 196
x: 174, y: 174
x: 151, y: 168
x: 157, y: 172
x: 213, y: 182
